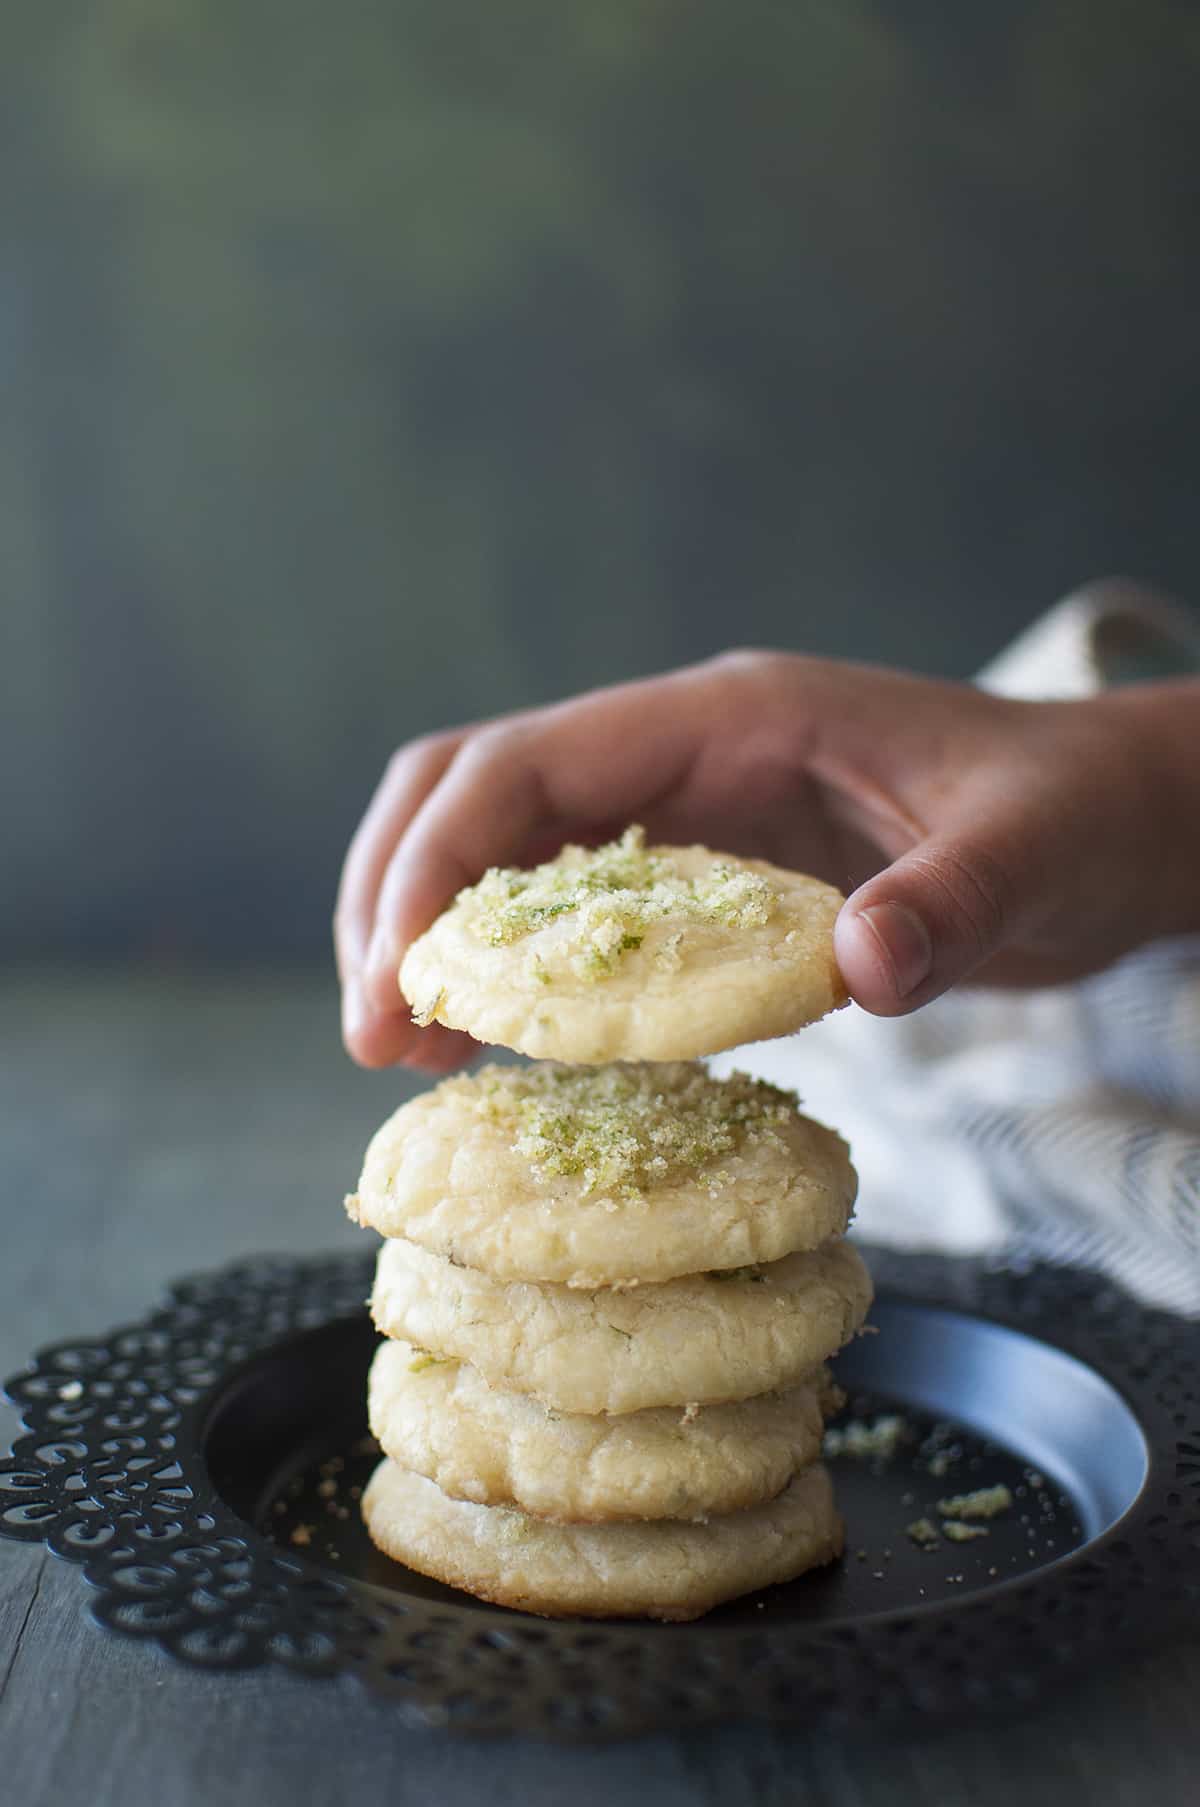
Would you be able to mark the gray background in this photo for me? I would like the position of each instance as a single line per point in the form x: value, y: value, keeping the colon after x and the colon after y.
x: 371, y: 367
x: 375, y: 365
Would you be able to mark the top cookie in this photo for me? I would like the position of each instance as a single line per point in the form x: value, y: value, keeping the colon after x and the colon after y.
x: 629, y: 952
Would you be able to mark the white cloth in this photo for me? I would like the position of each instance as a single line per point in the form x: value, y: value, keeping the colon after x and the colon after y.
x: 1060, y: 1125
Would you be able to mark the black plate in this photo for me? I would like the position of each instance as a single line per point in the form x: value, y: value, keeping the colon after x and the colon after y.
x: 288, y: 1451
x: 206, y: 1466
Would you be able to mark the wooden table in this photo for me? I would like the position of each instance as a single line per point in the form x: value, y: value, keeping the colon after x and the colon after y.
x: 152, y: 1124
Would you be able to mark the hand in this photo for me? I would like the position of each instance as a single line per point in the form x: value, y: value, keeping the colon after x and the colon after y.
x: 979, y: 837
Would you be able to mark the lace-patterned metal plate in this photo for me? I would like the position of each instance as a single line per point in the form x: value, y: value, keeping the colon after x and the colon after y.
x: 203, y: 1468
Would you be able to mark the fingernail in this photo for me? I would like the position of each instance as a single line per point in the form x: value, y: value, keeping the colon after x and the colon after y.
x: 354, y: 1008
x: 903, y: 942
x: 382, y: 964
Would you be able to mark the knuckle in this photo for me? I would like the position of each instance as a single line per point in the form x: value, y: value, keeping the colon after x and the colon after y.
x: 497, y: 741
x: 745, y: 661
x: 975, y: 892
x: 415, y: 753
x: 763, y: 669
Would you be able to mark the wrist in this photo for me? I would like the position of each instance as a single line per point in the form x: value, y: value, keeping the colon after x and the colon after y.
x: 1159, y: 728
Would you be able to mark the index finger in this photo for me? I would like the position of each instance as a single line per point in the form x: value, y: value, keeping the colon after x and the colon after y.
x: 409, y: 776
x: 598, y: 760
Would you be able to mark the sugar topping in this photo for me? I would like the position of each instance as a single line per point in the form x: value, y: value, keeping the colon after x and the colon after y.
x: 628, y: 1126
x: 613, y: 894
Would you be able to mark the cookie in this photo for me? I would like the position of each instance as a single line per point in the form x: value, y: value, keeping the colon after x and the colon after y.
x: 440, y: 1418
x: 702, y: 1340
x: 665, y: 1570
x: 629, y: 952
x: 600, y: 1176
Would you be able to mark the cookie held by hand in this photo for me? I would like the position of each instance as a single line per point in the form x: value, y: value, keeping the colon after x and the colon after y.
x: 629, y: 952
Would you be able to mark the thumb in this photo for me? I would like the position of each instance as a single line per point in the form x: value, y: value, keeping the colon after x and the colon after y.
x: 924, y: 923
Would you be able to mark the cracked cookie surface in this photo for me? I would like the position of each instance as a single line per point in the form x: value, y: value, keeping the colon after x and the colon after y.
x: 666, y: 1570
x: 439, y: 1417
x: 604, y: 1176
x: 704, y: 1339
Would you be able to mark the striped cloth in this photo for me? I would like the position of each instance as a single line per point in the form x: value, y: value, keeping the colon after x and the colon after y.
x: 1060, y: 1125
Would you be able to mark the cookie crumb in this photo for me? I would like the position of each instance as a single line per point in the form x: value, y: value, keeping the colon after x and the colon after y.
x: 984, y: 1502
x: 877, y: 1442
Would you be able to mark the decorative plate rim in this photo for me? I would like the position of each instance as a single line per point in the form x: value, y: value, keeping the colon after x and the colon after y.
x: 111, y: 1475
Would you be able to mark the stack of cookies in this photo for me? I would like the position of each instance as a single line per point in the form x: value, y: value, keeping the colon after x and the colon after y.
x: 609, y: 1287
